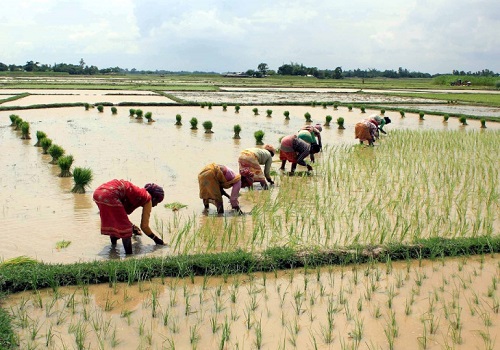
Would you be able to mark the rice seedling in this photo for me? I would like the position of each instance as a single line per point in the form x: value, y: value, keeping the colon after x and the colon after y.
x: 445, y: 118
x: 100, y: 108
x: 19, y: 121
x: 82, y: 178
x: 349, y: 107
x: 209, y: 105
x: 269, y: 113
x: 483, y: 123
x: 62, y: 244
x: 25, y: 131
x: 178, y: 119
x: 65, y: 163
x: 149, y: 117
x: 13, y: 118
x: 421, y: 115
x: 131, y: 112
x: 328, y: 120
x: 114, y: 110
x: 55, y: 152
x: 139, y: 114
x: 207, y: 125
x: 362, y: 108
x: 255, y: 111
x: 203, y: 104
x: 463, y: 120
x: 237, y: 130
x: 224, y: 107
x: 402, y: 113
x: 340, y: 123
x: 194, y: 123
x: 86, y: 106
x: 259, y: 136
x: 40, y: 135
x: 307, y: 115
x: 287, y: 115
x: 237, y: 109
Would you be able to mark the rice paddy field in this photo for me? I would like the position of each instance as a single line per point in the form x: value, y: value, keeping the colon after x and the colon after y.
x: 386, y: 247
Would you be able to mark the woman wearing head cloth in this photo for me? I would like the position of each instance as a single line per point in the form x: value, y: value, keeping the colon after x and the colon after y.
x: 116, y: 200
x: 295, y: 150
x: 311, y: 135
x: 250, y: 161
x: 366, y: 130
x: 213, y: 179
x: 381, y: 121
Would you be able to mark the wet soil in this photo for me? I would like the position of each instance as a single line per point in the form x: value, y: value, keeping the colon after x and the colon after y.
x: 441, y: 304
x: 38, y: 209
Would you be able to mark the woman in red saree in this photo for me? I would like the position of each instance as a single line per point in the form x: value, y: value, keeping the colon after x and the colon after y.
x: 117, y: 199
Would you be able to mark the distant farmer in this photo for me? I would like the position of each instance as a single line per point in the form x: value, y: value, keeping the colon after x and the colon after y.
x: 116, y: 200
x: 250, y: 161
x: 381, y: 121
x: 295, y: 150
x: 213, y: 179
x: 311, y: 135
x: 366, y: 130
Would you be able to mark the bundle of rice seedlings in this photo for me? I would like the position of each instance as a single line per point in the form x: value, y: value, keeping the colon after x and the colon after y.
x: 39, y: 136
x: 55, y: 151
x: 25, y: 131
x: 13, y: 118
x: 82, y: 178
x: 46, y: 143
x: 19, y: 260
x: 65, y: 163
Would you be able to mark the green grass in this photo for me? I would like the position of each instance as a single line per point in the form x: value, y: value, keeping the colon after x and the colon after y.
x: 7, y: 335
x: 483, y: 99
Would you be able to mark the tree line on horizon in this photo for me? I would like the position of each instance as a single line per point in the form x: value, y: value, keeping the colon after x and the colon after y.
x: 294, y: 69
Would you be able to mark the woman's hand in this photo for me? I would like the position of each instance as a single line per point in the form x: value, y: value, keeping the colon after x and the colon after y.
x: 136, y: 230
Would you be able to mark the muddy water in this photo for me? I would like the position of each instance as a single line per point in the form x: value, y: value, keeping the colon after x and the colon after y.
x: 38, y: 209
x: 450, y: 303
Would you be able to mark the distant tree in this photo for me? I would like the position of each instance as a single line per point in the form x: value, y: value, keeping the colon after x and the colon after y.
x: 3, y: 67
x: 337, y: 73
x: 262, y: 68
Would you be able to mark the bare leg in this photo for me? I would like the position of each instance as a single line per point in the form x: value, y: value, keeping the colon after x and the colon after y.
x: 127, y: 245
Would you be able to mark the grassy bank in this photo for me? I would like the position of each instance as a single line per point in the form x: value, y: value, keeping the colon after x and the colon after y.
x: 32, y: 276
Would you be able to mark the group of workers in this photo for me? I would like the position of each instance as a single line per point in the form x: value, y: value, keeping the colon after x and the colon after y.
x: 117, y: 199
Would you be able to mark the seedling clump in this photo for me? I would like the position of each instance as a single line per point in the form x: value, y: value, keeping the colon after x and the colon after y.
x: 82, y: 178
x: 55, y: 151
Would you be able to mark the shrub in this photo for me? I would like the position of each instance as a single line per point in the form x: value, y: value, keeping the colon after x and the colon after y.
x: 178, y: 119
x: 65, y: 163
x: 82, y: 178
x: 55, y: 152
x: 237, y: 130
x: 25, y: 131
x: 463, y: 120
x: 307, y: 115
x: 114, y: 110
x: 46, y: 143
x: 259, y: 136
x: 340, y: 122
x: 255, y: 111
x: 100, y: 108
x: 194, y: 123
x: 207, y: 125
x: 269, y: 112
x: 287, y: 115
x: 40, y: 135
x: 328, y: 119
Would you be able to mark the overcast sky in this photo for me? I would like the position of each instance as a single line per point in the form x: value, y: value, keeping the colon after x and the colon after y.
x: 433, y: 36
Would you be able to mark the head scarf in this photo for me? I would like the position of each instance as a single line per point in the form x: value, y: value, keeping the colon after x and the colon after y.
x: 319, y: 127
x: 378, y: 119
x: 246, y: 177
x: 270, y: 148
x: 387, y: 120
x: 155, y: 191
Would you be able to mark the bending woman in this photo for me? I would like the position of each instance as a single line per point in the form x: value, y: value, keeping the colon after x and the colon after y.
x: 116, y: 200
x: 213, y: 179
x: 250, y: 161
x: 366, y: 130
x: 295, y: 150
